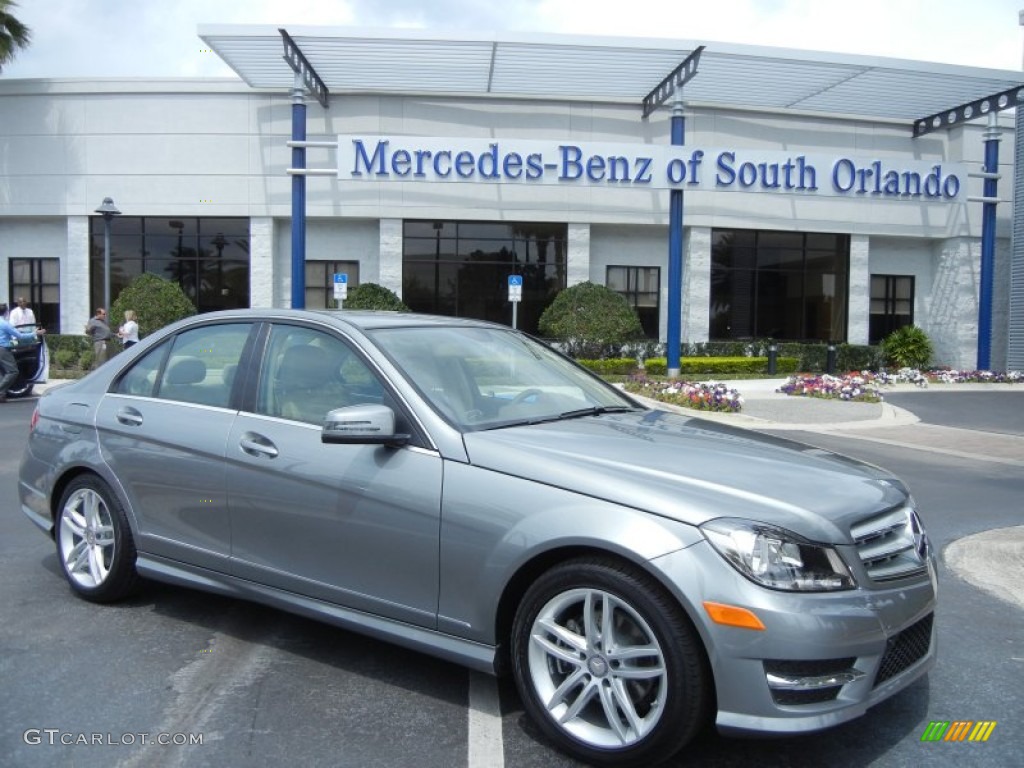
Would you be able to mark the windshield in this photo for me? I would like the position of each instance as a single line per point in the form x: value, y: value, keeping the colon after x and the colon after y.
x: 482, y: 378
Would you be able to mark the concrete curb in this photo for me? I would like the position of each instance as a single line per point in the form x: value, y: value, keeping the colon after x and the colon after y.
x: 890, y: 416
x: 992, y: 561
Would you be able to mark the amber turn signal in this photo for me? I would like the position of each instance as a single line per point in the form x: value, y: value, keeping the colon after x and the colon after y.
x: 732, y: 616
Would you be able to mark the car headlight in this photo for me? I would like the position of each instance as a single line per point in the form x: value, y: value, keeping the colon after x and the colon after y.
x: 777, y: 558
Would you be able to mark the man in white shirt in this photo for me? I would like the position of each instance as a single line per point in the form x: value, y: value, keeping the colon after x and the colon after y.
x: 21, y: 314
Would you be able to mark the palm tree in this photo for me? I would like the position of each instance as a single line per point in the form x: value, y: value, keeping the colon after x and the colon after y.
x: 13, y: 34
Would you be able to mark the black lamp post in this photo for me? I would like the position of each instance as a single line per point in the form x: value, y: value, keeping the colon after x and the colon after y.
x: 108, y: 211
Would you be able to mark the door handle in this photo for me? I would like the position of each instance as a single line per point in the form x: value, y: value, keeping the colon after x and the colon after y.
x: 257, y: 445
x: 129, y: 416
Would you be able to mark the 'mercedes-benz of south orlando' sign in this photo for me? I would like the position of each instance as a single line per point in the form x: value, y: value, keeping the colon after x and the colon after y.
x: 643, y: 166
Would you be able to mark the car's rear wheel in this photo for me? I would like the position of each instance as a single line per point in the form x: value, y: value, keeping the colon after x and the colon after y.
x: 607, y: 665
x: 94, y: 543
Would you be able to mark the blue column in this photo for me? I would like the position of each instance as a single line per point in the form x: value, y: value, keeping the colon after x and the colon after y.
x: 988, y: 246
x: 675, y: 253
x: 298, y: 198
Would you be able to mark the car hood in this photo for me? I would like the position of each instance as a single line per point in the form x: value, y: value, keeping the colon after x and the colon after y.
x: 693, y: 470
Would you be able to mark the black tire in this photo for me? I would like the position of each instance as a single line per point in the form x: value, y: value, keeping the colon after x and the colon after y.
x: 95, y: 546
x: 664, y: 685
x: 20, y: 388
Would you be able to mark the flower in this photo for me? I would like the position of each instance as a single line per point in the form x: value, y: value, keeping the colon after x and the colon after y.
x: 856, y: 387
x: 702, y: 396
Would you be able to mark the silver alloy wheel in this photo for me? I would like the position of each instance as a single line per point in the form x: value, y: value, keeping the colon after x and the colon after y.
x: 87, y: 538
x: 598, y: 668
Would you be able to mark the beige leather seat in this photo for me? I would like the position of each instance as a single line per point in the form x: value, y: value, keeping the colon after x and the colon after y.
x: 309, y: 384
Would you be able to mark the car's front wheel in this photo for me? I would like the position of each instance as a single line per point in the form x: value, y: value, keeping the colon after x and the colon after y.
x: 94, y: 543
x: 21, y: 387
x: 607, y: 665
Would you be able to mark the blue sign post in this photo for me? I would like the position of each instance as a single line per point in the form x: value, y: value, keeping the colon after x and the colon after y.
x: 672, y: 87
x: 340, y: 288
x: 515, y: 295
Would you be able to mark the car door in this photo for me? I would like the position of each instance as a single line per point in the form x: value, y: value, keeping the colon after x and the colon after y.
x: 355, y: 525
x: 162, y: 429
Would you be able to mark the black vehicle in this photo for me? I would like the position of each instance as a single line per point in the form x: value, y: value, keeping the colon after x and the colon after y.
x: 32, y: 364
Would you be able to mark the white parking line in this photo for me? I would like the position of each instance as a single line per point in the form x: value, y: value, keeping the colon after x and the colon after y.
x: 486, y: 749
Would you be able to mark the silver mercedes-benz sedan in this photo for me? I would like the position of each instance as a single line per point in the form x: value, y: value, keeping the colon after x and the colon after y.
x: 462, y: 489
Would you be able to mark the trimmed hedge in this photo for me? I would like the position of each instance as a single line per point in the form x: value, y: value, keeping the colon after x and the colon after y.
x: 810, y: 357
x: 70, y: 355
x: 588, y: 319
x: 705, y: 366
x: 374, y: 296
x: 616, y: 366
x: 156, y: 301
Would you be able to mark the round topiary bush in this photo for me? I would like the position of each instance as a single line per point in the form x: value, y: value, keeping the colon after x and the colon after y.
x: 157, y: 302
x: 907, y: 347
x: 373, y: 296
x: 592, y: 321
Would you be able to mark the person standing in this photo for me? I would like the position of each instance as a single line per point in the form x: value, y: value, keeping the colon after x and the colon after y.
x: 9, y: 335
x: 129, y: 332
x: 22, y: 314
x: 98, y: 330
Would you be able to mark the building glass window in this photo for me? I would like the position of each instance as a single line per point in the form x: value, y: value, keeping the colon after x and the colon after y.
x: 779, y: 285
x: 641, y: 286
x: 320, y: 281
x: 207, y: 257
x: 461, y: 269
x: 38, y: 281
x: 892, y: 305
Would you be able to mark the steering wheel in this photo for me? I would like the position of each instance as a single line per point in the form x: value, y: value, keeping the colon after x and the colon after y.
x: 525, y: 395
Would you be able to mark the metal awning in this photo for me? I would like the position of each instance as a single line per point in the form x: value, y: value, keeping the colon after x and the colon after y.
x: 562, y: 67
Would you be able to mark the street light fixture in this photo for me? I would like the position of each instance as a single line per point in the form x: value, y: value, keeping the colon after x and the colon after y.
x: 108, y: 211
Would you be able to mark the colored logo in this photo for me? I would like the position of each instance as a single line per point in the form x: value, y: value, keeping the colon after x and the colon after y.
x: 958, y: 730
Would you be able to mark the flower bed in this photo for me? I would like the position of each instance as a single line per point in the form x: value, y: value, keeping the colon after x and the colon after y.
x: 952, y: 376
x: 702, y: 396
x: 864, y: 386
x: 859, y: 387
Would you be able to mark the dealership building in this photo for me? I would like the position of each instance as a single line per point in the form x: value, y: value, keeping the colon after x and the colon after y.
x: 823, y: 197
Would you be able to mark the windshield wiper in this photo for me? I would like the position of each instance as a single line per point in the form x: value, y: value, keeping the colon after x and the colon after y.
x: 597, y: 410
x: 594, y: 410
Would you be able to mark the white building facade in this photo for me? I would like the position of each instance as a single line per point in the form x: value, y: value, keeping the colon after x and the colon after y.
x: 798, y: 225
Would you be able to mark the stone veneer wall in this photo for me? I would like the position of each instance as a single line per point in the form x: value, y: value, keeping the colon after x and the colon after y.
x: 952, y: 303
x: 390, y: 255
x: 578, y: 254
x: 858, y: 309
x: 74, y: 271
x: 696, y: 285
x: 265, y: 289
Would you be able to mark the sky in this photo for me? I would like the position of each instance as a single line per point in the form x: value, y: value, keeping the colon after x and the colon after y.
x: 157, y: 38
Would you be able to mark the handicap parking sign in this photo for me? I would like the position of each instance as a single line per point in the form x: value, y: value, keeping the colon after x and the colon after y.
x: 340, y: 286
x: 515, y: 287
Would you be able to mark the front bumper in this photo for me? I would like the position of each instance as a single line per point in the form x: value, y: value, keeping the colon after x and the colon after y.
x: 822, y: 659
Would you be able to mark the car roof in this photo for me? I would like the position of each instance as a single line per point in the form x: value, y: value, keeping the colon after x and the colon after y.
x: 361, y: 319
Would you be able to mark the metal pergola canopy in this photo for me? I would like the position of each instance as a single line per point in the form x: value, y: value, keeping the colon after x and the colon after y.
x: 353, y: 60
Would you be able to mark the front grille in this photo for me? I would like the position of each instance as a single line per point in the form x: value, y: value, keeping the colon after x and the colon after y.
x: 905, y: 648
x: 892, y: 545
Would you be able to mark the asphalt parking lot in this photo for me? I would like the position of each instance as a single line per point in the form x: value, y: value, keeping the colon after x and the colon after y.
x: 266, y: 688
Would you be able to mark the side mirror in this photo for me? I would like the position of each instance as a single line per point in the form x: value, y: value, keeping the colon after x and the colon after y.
x: 368, y: 424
